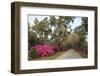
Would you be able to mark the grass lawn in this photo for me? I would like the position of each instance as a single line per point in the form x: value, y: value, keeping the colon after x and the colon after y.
x: 53, y: 56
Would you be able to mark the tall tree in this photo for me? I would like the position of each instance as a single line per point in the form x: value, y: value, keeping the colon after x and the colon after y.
x: 85, y: 23
x: 61, y: 33
x: 81, y: 31
x: 42, y: 29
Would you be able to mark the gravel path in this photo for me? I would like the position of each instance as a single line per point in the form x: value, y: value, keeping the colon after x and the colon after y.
x: 70, y: 54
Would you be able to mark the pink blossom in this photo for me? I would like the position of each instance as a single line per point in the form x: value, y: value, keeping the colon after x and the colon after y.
x: 43, y: 50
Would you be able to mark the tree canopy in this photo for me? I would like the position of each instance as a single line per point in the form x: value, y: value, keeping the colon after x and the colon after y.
x: 57, y: 30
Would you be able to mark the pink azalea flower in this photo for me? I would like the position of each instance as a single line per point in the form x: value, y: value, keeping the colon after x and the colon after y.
x: 44, y: 50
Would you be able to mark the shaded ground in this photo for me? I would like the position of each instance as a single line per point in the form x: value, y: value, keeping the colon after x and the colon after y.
x: 70, y: 54
x: 82, y: 53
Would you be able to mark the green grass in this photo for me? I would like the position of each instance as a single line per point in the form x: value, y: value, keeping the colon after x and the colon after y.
x: 53, y: 56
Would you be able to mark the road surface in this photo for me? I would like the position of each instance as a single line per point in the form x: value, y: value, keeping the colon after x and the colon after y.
x: 70, y: 54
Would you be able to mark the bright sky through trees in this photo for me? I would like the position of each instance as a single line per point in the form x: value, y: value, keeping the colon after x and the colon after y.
x: 77, y: 21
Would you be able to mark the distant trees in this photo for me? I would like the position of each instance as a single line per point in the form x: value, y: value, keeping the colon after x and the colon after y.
x: 85, y: 23
x: 73, y: 40
x: 81, y: 31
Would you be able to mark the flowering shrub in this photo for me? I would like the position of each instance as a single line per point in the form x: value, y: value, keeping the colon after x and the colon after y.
x: 43, y: 50
x: 59, y: 48
x: 55, y: 48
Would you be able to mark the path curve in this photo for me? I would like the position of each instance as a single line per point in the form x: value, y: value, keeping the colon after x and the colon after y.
x: 70, y: 54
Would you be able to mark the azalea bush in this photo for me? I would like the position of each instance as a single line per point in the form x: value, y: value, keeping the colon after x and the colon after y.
x: 43, y: 50
x: 55, y: 48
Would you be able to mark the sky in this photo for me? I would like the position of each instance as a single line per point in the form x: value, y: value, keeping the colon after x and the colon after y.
x: 77, y: 21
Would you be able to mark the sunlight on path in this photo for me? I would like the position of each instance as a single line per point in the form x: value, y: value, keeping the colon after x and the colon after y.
x: 70, y: 54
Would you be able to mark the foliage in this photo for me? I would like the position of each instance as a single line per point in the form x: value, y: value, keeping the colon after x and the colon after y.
x: 33, y: 53
x: 41, y: 31
x: 44, y: 50
x: 81, y: 32
x: 73, y: 39
x: 60, y: 33
x: 85, y: 23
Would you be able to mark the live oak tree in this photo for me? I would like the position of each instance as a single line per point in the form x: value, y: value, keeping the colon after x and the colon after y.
x: 61, y: 25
